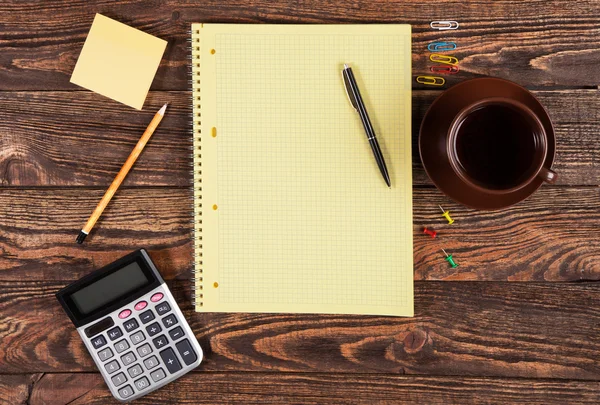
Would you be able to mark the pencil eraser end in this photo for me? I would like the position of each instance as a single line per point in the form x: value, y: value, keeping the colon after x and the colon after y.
x: 81, y: 237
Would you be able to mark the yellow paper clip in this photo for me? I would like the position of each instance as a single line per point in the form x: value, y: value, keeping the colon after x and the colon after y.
x: 444, y: 25
x: 448, y: 60
x: 431, y: 80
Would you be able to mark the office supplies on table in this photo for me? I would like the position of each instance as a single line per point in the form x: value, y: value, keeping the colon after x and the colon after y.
x: 446, y: 214
x: 431, y: 80
x: 430, y: 232
x: 122, y: 174
x: 290, y: 213
x: 441, y: 46
x: 448, y: 60
x: 450, y: 260
x: 357, y: 103
x: 131, y: 326
x: 118, y: 61
x: 444, y: 25
x: 445, y: 69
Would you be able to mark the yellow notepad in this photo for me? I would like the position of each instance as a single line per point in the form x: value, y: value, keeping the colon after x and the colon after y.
x: 291, y: 211
x: 118, y: 61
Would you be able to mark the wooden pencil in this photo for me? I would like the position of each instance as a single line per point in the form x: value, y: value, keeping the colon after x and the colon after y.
x: 121, y: 175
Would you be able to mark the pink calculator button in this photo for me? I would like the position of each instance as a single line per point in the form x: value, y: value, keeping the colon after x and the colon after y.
x: 140, y: 305
x: 157, y: 297
x: 124, y: 313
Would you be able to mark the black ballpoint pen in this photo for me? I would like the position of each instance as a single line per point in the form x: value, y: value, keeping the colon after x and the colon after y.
x: 358, y: 104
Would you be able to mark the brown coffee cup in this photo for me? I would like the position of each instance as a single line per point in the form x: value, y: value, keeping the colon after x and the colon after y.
x: 498, y: 145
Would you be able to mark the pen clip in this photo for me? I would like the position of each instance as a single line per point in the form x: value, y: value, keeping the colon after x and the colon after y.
x: 348, y: 87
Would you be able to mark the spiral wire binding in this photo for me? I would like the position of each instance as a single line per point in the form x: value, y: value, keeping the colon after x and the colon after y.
x: 196, y: 169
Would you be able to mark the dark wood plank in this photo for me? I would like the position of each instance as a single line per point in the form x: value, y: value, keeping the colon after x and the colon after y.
x: 249, y: 388
x: 15, y: 389
x: 539, y: 44
x: 552, y: 236
x: 524, y: 330
x: 82, y: 139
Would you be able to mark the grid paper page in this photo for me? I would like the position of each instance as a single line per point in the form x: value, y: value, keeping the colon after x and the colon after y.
x: 296, y: 216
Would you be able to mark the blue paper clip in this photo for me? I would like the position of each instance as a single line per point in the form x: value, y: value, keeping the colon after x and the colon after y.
x: 441, y: 46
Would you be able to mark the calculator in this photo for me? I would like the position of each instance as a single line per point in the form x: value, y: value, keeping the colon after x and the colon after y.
x: 132, y: 326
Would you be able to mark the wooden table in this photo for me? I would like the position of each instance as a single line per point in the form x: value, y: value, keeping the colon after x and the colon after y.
x: 518, y: 321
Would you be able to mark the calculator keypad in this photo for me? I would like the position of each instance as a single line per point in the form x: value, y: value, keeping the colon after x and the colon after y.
x: 139, y: 360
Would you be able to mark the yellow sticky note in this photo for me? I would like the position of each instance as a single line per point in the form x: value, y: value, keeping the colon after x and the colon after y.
x: 118, y: 61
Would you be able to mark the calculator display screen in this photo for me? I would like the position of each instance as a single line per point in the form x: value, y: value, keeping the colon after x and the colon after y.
x: 109, y: 289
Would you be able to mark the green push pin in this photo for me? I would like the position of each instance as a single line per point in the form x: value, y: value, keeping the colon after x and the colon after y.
x: 450, y: 260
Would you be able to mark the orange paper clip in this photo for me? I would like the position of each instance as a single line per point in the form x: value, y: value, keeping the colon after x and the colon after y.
x: 447, y: 60
x: 431, y: 80
x: 444, y: 69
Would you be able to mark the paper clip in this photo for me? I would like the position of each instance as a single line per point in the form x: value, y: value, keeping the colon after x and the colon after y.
x: 444, y: 25
x: 441, y: 46
x: 445, y: 69
x: 431, y: 80
x: 445, y: 59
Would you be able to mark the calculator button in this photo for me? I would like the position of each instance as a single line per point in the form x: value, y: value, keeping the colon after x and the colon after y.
x: 140, y: 305
x: 176, y: 333
x: 151, y: 362
x: 131, y: 325
x: 153, y: 329
x: 121, y: 346
x: 124, y: 313
x: 114, y: 333
x: 157, y: 297
x: 137, y: 337
x: 126, y: 392
x: 147, y: 316
x: 158, y: 375
x: 128, y: 358
x: 145, y: 350
x: 186, y: 352
x: 142, y: 383
x: 163, y: 308
x: 119, y: 379
x: 135, y: 371
x: 169, y: 321
x: 112, y: 366
x: 170, y: 360
x: 105, y: 354
x: 160, y: 342
x: 98, y: 341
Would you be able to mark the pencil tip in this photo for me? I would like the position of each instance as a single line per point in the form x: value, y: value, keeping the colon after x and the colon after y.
x: 163, y: 109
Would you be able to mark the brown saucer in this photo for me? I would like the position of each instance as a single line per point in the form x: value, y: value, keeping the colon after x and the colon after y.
x: 434, y: 130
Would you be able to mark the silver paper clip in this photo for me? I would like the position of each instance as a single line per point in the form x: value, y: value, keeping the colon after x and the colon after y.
x: 441, y: 46
x: 444, y: 25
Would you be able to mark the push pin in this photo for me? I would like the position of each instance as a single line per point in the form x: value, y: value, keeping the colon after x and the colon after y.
x: 430, y: 232
x: 446, y: 214
x: 450, y: 260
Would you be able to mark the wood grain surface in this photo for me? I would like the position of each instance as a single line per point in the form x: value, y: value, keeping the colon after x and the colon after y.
x: 513, y: 330
x: 516, y: 322
x: 327, y: 389
x: 82, y: 139
x: 535, y: 43
x: 546, y: 237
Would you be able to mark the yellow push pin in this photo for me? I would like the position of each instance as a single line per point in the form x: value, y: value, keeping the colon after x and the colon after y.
x: 446, y: 214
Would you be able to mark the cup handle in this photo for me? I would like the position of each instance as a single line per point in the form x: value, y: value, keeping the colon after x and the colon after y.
x: 548, y: 175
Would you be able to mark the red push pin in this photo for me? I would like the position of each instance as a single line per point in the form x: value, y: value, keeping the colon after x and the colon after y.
x: 430, y: 232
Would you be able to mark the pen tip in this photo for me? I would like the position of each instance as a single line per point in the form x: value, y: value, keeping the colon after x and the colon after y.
x: 346, y: 66
x: 163, y: 109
